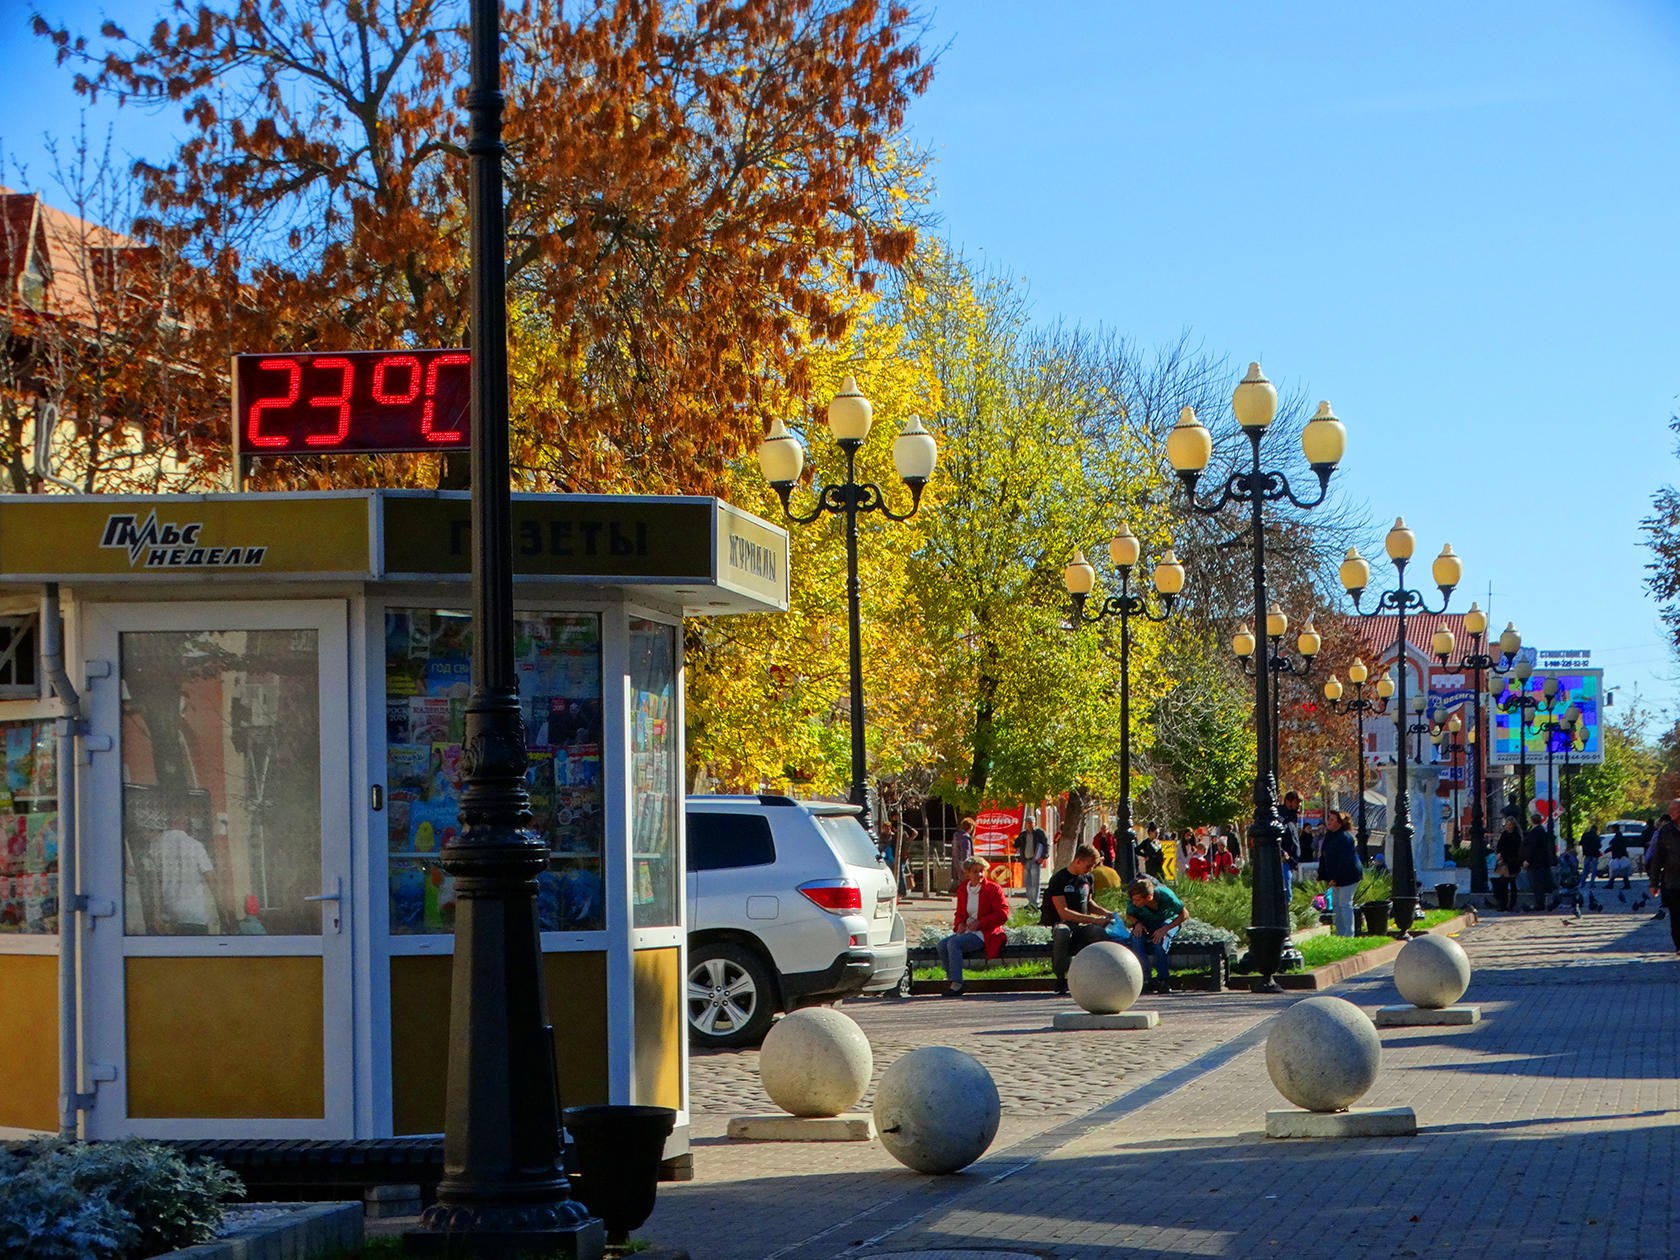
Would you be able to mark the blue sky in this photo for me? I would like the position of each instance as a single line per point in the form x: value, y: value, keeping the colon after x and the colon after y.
x: 1456, y: 222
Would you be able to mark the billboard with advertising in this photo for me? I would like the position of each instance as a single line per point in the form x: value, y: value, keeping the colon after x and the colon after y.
x: 995, y: 829
x: 1582, y: 687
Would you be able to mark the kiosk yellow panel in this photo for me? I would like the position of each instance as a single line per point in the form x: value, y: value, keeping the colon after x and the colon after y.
x: 576, y: 990
x: 660, y: 1027
x: 234, y: 1038
x: 29, y: 1041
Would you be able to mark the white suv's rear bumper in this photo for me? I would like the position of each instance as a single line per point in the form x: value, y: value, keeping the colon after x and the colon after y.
x: 891, y: 957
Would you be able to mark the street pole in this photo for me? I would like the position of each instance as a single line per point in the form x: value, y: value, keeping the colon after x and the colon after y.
x: 1189, y: 447
x: 1359, y: 706
x: 504, y: 1191
x: 1400, y: 600
x: 781, y: 459
x: 1080, y: 578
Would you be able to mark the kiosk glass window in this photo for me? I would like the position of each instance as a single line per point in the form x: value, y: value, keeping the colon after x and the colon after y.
x: 653, y: 773
x: 28, y: 829
x: 221, y: 787
x: 428, y: 679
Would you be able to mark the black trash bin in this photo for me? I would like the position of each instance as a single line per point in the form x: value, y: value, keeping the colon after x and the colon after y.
x: 1445, y: 895
x: 616, y: 1151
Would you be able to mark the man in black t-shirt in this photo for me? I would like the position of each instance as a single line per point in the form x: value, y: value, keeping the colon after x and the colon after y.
x: 1068, y: 910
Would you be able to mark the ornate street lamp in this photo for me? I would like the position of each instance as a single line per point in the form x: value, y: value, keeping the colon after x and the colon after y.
x: 1554, y: 697
x: 1359, y: 706
x: 1571, y: 728
x: 1515, y: 696
x: 1477, y: 663
x: 781, y: 458
x: 1401, y: 601
x: 1189, y: 447
x: 504, y: 1188
x: 1280, y: 664
x: 1418, y: 727
x: 1080, y: 577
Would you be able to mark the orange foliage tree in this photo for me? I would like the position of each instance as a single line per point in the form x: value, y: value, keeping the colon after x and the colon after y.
x: 695, y: 192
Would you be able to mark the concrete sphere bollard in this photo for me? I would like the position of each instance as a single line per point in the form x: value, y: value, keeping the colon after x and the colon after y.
x: 1432, y: 971
x: 1105, y: 978
x: 1323, y: 1054
x: 815, y: 1062
x: 937, y: 1110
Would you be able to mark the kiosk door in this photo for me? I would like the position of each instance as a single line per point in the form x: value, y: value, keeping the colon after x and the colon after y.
x: 216, y: 857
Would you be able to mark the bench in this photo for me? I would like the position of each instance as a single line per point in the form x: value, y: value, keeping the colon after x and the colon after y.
x: 1214, y: 959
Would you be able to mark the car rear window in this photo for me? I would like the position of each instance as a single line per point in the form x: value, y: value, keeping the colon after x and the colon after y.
x: 849, y: 838
x: 719, y: 842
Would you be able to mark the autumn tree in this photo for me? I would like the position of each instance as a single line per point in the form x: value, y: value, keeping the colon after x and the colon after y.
x: 695, y: 193
x: 1624, y: 784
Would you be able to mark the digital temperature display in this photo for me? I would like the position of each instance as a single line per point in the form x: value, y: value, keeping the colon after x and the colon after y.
x: 360, y: 402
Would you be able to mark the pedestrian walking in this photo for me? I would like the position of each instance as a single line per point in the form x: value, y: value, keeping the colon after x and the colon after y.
x: 1664, y: 869
x: 1033, y: 848
x: 1592, y: 846
x: 1507, y: 862
x: 1340, y: 867
x: 962, y: 848
x: 1538, y: 857
x: 1621, y: 865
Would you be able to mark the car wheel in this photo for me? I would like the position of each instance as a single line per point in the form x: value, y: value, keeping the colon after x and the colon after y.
x: 731, y: 998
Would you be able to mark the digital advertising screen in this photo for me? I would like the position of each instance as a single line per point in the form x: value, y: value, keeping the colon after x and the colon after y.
x: 1581, y: 687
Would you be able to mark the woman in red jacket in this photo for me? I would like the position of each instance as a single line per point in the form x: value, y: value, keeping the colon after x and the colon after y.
x: 978, y: 923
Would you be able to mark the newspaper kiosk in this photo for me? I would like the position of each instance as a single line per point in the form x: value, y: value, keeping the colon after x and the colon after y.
x: 229, y: 747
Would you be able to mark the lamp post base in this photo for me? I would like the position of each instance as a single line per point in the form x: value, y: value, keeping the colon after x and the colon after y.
x: 1265, y: 953
x: 1404, y: 910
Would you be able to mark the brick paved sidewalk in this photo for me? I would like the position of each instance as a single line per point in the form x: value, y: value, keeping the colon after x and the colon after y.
x: 1551, y: 1128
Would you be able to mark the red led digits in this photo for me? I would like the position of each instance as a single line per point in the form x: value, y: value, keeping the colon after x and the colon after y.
x: 340, y: 400
x: 381, y: 378
x: 430, y: 415
x: 361, y: 402
x: 294, y: 380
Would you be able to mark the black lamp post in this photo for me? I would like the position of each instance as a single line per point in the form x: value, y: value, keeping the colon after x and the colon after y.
x: 1400, y: 601
x: 504, y: 1191
x: 1477, y: 662
x: 1422, y: 724
x: 1189, y: 447
x: 1552, y: 696
x: 782, y: 459
x: 1080, y: 577
x: 1280, y: 664
x: 1514, y: 695
x: 1571, y: 727
x: 1359, y: 706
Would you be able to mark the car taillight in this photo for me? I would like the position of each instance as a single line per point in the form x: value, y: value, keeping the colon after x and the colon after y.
x: 837, y: 896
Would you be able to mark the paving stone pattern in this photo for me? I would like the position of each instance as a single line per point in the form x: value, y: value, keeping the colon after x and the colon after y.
x: 1550, y: 1128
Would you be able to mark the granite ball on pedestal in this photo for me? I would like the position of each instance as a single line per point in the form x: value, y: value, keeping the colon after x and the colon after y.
x: 1105, y: 978
x: 1323, y: 1054
x: 1432, y: 972
x: 815, y: 1062
x: 936, y: 1110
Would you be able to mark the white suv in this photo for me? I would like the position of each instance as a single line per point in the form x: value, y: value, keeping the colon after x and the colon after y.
x: 788, y: 905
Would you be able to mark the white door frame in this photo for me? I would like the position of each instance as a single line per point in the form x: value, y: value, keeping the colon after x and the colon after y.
x: 106, y: 948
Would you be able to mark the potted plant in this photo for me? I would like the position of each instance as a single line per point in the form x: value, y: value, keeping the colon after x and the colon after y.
x: 1371, y: 901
